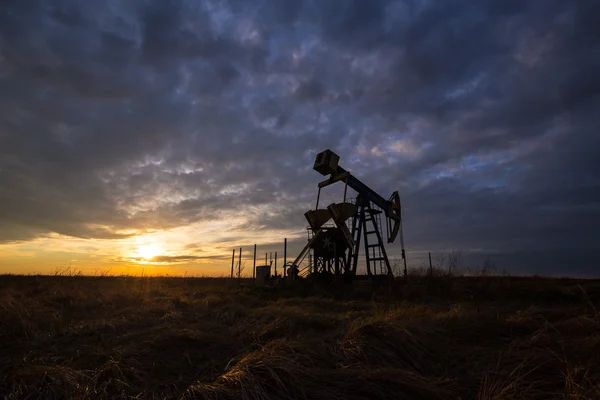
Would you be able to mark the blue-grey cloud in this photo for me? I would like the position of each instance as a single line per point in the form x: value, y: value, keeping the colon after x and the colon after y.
x: 142, y: 115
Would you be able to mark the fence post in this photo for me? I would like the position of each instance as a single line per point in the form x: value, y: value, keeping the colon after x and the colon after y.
x: 430, y: 265
x: 254, y: 265
x: 240, y: 266
x: 232, y: 262
x: 284, y: 256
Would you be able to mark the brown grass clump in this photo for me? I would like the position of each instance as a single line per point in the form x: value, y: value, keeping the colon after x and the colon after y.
x: 391, y: 343
x: 283, y: 370
x: 48, y: 382
x: 167, y: 338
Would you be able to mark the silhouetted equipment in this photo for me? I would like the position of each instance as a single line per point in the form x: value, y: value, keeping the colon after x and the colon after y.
x: 336, y: 248
x: 263, y: 274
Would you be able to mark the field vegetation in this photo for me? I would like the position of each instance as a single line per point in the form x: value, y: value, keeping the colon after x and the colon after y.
x: 440, y: 337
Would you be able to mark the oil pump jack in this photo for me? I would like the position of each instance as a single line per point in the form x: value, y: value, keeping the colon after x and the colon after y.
x: 336, y: 248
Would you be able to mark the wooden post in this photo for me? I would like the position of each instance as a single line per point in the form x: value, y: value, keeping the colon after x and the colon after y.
x: 284, y: 257
x: 254, y: 265
x: 266, y: 262
x: 430, y: 265
x: 275, y: 263
x: 232, y: 262
x: 240, y: 265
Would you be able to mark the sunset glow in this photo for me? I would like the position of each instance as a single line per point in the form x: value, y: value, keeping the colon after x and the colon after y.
x: 148, y: 252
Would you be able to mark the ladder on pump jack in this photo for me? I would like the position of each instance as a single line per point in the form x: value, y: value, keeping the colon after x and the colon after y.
x: 367, y: 224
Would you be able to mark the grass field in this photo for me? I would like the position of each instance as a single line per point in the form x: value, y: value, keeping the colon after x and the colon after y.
x: 450, y: 338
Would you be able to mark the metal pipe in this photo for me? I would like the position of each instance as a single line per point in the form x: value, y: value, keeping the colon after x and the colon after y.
x: 337, y: 261
x: 405, y: 268
x: 345, y: 189
x: 403, y: 253
x: 318, y: 195
x: 358, y: 186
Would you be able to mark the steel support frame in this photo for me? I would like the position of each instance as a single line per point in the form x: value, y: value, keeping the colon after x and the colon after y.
x: 359, y: 232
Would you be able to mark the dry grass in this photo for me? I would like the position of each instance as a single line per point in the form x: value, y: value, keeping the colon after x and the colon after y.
x: 454, y: 338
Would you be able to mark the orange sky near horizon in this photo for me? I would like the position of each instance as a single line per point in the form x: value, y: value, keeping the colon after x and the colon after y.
x: 169, y: 252
x: 201, y: 248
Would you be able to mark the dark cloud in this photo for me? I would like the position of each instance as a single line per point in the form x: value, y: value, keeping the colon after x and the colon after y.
x: 178, y: 259
x: 121, y: 119
x: 171, y: 260
x: 311, y: 90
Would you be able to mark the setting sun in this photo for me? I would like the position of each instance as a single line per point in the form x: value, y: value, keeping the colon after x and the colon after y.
x: 148, y: 251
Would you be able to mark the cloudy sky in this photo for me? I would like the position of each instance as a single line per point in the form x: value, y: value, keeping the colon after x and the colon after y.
x: 181, y: 129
